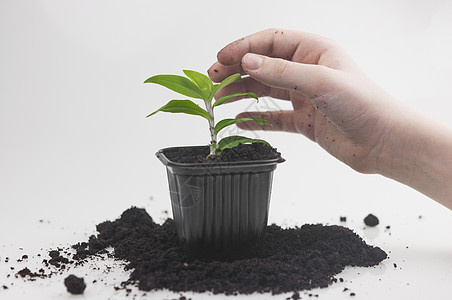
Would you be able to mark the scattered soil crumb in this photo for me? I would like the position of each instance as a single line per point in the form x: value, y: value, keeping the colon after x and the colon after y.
x: 75, y: 285
x: 371, y: 220
x: 26, y: 272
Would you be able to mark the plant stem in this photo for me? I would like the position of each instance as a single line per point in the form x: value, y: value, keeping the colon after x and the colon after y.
x: 213, y: 136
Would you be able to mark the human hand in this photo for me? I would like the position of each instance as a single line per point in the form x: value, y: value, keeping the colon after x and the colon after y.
x: 336, y: 105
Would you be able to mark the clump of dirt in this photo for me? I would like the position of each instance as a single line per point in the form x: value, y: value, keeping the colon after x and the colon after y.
x: 26, y: 272
x: 242, y: 152
x: 75, y: 285
x: 56, y: 259
x: 371, y: 220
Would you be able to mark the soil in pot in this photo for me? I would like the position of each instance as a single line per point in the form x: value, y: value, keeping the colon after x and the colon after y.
x: 242, y: 152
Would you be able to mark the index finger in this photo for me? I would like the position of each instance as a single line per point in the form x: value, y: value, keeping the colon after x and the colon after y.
x: 286, y: 44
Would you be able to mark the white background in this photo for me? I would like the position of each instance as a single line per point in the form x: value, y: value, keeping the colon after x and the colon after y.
x: 76, y: 148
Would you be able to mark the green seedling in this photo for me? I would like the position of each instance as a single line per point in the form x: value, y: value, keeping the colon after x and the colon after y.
x: 199, y: 86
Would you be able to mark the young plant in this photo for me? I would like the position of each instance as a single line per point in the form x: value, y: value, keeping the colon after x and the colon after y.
x: 199, y: 86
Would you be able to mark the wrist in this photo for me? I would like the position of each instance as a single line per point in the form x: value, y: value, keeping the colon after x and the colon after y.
x: 418, y: 153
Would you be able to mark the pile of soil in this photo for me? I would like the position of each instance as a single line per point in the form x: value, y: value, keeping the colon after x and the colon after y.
x: 242, y: 152
x: 286, y: 260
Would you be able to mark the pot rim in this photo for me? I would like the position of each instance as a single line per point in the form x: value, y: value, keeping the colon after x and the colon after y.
x: 167, y: 162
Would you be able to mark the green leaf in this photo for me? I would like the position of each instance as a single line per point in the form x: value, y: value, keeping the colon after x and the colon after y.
x: 202, y: 81
x: 231, y: 79
x: 227, y: 122
x: 179, y: 84
x: 234, y: 140
x: 226, y: 98
x: 183, y: 106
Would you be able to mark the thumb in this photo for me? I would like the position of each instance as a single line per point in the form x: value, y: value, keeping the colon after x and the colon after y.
x: 306, y: 79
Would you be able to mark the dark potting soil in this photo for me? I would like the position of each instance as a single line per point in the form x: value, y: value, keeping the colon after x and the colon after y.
x: 287, y: 260
x: 371, y: 220
x: 75, y: 285
x: 26, y: 272
x: 242, y: 152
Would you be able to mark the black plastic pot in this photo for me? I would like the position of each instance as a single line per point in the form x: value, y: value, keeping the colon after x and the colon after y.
x: 219, y: 205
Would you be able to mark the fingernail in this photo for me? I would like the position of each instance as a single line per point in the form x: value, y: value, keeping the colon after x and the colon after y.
x: 252, y: 61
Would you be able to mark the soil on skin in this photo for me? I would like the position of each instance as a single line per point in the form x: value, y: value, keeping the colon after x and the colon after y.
x: 242, y: 152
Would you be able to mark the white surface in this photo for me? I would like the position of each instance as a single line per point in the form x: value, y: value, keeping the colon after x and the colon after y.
x: 75, y: 148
